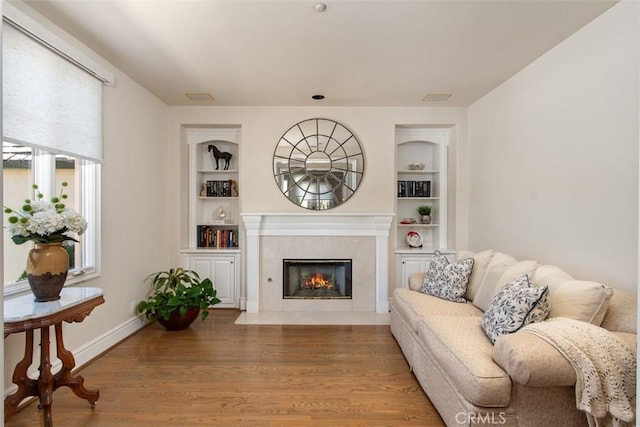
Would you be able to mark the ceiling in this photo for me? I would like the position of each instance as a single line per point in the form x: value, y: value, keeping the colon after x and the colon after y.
x: 355, y: 53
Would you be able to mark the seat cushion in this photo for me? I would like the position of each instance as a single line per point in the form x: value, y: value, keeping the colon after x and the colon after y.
x: 413, y: 306
x: 464, y: 352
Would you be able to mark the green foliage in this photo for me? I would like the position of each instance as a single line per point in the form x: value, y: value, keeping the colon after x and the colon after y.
x: 424, y: 210
x: 177, y: 289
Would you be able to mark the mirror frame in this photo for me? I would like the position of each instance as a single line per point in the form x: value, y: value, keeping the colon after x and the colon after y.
x: 318, y: 164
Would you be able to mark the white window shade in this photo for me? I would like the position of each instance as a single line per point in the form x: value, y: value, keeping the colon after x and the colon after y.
x: 49, y: 102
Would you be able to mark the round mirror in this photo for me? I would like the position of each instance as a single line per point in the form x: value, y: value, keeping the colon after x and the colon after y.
x: 318, y: 164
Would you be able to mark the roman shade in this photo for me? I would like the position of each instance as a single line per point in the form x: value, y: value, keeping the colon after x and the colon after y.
x: 50, y: 100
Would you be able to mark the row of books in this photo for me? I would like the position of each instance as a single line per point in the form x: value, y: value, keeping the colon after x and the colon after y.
x: 216, y: 188
x: 414, y: 188
x: 214, y: 237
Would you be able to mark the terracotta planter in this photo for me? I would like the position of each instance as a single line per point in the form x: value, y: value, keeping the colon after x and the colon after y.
x: 176, y: 322
x: 47, y: 268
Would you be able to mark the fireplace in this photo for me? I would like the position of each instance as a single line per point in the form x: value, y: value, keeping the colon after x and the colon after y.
x: 316, y: 279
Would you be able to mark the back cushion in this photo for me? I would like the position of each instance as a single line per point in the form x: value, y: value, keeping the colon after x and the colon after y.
x: 482, y: 260
x: 580, y: 300
x: 575, y: 299
x: 499, y: 263
x: 550, y: 275
x: 622, y: 314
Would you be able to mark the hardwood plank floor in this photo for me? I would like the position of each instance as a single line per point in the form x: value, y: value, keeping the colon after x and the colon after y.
x: 222, y: 374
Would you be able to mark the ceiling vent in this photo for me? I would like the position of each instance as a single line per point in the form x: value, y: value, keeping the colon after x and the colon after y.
x: 436, y: 97
x: 200, y: 96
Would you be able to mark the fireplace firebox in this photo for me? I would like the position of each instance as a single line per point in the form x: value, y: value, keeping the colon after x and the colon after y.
x: 316, y: 278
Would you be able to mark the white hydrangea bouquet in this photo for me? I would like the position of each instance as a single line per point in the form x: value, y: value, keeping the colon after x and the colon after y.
x: 44, y: 221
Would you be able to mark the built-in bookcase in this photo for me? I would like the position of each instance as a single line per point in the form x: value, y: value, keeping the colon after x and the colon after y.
x: 215, y: 238
x: 424, y: 185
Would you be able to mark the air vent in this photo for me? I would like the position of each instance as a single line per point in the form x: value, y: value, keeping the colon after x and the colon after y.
x: 436, y: 97
x: 200, y: 96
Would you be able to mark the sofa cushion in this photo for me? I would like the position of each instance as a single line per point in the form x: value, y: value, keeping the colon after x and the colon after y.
x: 580, y: 300
x: 460, y: 347
x: 499, y: 263
x: 416, y: 280
x: 448, y: 280
x: 413, y: 306
x: 482, y: 260
x: 517, y: 304
x: 622, y: 314
x: 550, y: 275
x: 532, y: 361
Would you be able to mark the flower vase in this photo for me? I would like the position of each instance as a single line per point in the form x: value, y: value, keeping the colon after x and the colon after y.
x: 47, y: 267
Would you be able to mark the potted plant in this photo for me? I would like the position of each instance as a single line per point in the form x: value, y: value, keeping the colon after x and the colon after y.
x: 177, y: 297
x: 49, y: 225
x: 425, y: 212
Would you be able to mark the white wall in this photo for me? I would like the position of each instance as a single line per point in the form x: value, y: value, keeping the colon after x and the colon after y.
x: 135, y: 219
x: 554, y: 156
x: 261, y: 129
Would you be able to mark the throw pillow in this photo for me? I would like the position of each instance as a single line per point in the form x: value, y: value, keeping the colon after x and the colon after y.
x: 516, y: 304
x: 448, y: 281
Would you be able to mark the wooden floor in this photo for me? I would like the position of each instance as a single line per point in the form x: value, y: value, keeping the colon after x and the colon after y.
x: 217, y: 373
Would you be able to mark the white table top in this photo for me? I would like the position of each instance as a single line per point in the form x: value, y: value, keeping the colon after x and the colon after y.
x: 25, y: 307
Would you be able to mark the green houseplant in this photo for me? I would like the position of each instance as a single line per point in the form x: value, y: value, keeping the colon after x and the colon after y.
x: 425, y: 212
x: 177, y: 297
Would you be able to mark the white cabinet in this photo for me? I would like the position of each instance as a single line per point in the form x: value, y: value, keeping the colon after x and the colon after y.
x: 215, y: 235
x: 222, y: 269
x: 407, y: 264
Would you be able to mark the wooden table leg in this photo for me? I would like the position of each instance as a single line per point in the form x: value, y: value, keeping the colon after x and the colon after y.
x: 26, y: 386
x: 64, y: 377
x: 45, y: 380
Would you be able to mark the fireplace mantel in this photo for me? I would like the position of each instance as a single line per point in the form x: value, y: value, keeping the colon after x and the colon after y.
x: 323, y: 224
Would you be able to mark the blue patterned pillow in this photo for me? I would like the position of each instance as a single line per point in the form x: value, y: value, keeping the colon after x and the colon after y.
x: 448, y: 281
x: 517, y: 304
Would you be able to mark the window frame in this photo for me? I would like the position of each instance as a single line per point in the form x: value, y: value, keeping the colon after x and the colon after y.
x: 88, y: 172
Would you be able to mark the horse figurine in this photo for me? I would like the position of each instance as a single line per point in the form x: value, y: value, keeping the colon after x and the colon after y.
x: 217, y: 154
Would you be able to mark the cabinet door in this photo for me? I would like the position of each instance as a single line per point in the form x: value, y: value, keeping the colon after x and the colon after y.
x: 409, y: 265
x: 221, y: 270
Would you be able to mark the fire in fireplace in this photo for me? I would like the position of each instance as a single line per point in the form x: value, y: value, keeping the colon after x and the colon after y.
x: 316, y: 278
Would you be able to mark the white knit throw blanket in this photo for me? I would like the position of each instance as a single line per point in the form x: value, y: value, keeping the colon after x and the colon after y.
x: 605, y: 368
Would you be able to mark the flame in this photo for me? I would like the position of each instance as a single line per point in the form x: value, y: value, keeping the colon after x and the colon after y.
x: 318, y: 282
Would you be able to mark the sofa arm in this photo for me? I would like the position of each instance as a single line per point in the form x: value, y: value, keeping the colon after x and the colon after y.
x: 531, y: 361
x: 416, y: 280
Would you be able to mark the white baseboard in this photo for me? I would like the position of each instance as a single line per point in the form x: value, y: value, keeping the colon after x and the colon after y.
x: 92, y: 349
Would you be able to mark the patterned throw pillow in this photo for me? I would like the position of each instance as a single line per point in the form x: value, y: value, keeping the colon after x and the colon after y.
x: 517, y: 304
x: 448, y: 281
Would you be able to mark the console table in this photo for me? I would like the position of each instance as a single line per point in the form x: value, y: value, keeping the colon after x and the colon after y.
x: 23, y: 314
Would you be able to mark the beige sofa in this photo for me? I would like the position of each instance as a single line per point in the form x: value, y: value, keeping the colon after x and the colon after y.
x: 521, y: 380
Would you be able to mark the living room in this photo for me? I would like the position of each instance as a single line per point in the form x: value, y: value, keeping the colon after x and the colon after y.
x: 544, y: 166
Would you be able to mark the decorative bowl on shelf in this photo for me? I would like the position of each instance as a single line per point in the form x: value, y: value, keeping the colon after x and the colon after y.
x: 416, y: 166
x: 414, y: 239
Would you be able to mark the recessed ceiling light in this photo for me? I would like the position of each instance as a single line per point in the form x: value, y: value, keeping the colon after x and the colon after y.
x: 200, y: 96
x: 320, y: 7
x: 318, y: 97
x: 436, y: 97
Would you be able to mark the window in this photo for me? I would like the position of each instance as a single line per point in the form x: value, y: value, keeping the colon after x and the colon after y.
x: 52, y: 132
x: 22, y: 167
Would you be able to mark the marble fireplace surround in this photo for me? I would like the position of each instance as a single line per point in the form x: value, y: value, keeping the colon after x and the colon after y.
x: 272, y: 237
